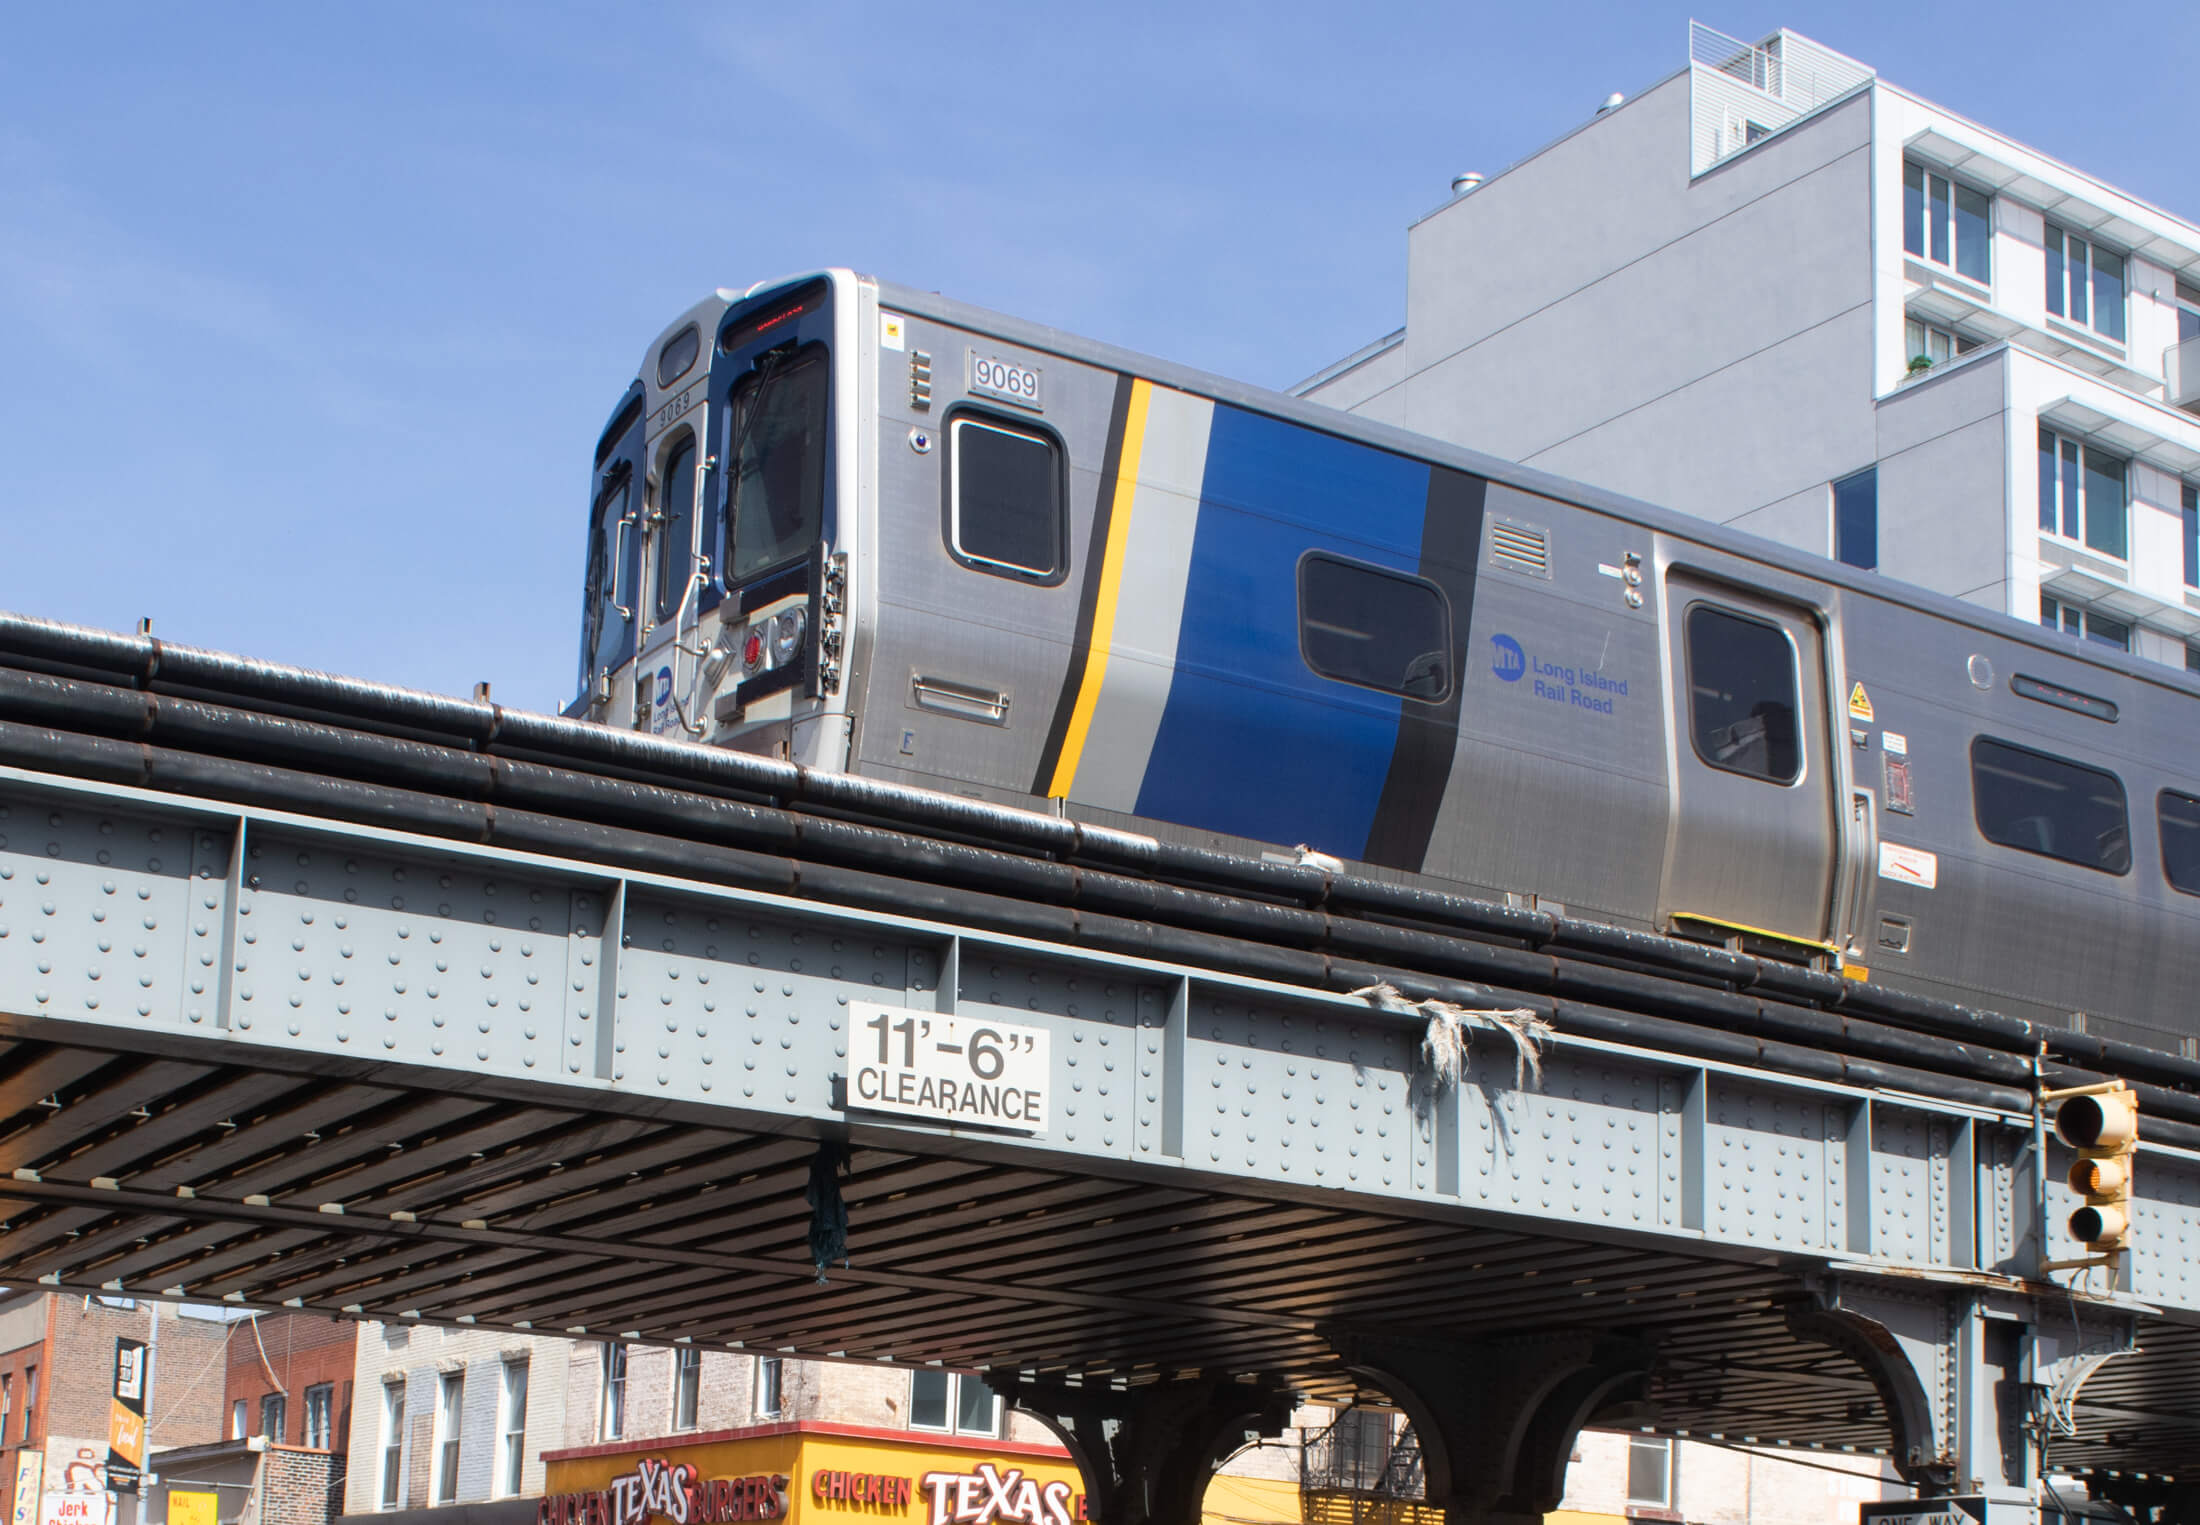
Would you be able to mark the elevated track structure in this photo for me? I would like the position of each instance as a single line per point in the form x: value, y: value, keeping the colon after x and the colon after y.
x: 320, y: 994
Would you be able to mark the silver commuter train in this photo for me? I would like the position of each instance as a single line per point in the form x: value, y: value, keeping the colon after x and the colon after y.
x: 874, y: 530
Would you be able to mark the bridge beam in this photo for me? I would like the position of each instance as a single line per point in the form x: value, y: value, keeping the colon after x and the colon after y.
x: 1497, y: 1418
x: 1148, y: 1453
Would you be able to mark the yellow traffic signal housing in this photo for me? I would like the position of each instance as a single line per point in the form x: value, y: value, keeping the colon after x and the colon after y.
x: 2103, y: 1126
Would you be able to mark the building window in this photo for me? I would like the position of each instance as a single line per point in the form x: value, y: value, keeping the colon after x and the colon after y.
x: 2188, y: 312
x: 1856, y: 519
x: 2192, y: 536
x: 2050, y: 806
x: 2192, y: 656
x: 945, y: 1400
x: 393, y: 1444
x: 1947, y: 223
x: 450, y: 1398
x: 320, y: 1415
x: 2085, y: 624
x: 7, y: 1405
x: 1743, y: 698
x: 1932, y: 344
x: 1374, y: 627
x: 611, y: 1419
x: 1650, y: 1471
x: 30, y: 1402
x: 272, y: 1406
x: 2082, y: 494
x: 2085, y: 283
x: 237, y: 1420
x: 770, y: 1387
x: 1004, y: 498
x: 512, y: 1429
x: 687, y: 1386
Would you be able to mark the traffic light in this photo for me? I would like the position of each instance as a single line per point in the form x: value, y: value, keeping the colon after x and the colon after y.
x: 2102, y: 1124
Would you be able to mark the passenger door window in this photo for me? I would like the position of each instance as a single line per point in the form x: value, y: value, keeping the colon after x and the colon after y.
x: 1373, y: 627
x: 1004, y: 498
x: 675, y: 561
x: 2051, y: 806
x: 2180, y: 824
x: 1743, y: 698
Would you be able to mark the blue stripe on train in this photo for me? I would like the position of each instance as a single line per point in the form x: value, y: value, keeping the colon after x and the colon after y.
x: 1252, y: 742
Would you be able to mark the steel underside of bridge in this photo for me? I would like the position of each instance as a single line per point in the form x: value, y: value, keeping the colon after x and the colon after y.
x: 293, y: 1061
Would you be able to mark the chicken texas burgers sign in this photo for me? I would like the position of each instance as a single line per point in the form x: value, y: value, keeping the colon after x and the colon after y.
x: 658, y: 1489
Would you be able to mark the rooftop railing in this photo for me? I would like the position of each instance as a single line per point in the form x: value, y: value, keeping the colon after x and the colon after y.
x: 1746, y: 91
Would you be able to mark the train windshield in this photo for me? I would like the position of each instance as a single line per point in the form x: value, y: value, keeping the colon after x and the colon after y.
x: 776, y: 493
x: 606, y: 615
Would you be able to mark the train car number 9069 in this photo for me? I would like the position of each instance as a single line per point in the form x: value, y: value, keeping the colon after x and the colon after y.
x: 948, y: 1069
x: 992, y: 377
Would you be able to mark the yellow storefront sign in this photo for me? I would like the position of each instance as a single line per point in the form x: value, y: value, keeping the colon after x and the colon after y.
x: 812, y: 1473
x: 192, y: 1508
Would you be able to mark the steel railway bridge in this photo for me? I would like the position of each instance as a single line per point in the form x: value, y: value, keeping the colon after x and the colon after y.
x: 317, y: 994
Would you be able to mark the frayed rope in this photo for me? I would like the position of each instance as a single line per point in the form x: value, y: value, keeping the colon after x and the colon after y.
x: 1444, y: 1044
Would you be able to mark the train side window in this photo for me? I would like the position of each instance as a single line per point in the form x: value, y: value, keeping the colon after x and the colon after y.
x: 1004, y: 498
x: 2050, y: 806
x: 2179, y: 815
x: 1374, y: 627
x: 606, y: 609
x: 1742, y: 695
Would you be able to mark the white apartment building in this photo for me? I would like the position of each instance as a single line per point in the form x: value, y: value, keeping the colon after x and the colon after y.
x: 444, y: 1416
x: 1778, y: 292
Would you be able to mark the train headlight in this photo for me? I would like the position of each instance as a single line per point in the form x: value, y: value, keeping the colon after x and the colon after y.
x: 752, y: 651
x: 787, y: 634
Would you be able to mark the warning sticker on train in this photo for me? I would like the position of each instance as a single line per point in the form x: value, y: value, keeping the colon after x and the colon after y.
x: 948, y: 1069
x: 1908, y: 865
x: 1860, y: 704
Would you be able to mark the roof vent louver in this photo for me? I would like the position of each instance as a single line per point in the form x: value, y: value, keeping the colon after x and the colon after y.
x: 1520, y: 547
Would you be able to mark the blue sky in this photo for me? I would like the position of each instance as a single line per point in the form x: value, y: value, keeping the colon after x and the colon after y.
x: 309, y: 315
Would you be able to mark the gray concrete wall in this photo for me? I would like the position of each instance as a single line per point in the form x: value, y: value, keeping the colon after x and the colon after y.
x: 1702, y: 343
x: 1943, y: 488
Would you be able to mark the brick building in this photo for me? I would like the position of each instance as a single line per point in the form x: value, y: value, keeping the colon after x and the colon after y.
x: 289, y: 1378
x: 252, y: 1482
x: 57, y: 1365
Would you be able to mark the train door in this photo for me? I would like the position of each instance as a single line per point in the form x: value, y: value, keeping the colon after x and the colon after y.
x: 1753, y: 843
x: 670, y: 573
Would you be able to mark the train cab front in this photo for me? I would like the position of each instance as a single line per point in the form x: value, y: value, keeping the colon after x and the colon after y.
x: 713, y: 602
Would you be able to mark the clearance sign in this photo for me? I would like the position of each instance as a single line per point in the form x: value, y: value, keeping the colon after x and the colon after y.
x: 811, y: 1473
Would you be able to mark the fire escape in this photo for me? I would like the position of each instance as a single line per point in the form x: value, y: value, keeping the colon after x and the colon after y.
x: 1364, y: 1469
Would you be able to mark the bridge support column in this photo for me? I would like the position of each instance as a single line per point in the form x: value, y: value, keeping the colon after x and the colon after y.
x: 1497, y: 1418
x: 1149, y: 1452
x: 1973, y: 1382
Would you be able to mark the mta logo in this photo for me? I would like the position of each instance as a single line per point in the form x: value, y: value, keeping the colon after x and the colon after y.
x: 1511, y: 662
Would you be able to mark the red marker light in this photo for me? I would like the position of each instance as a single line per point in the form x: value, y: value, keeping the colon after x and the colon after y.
x: 752, y: 651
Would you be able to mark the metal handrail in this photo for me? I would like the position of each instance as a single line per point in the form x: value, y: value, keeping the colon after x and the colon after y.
x: 1746, y: 61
